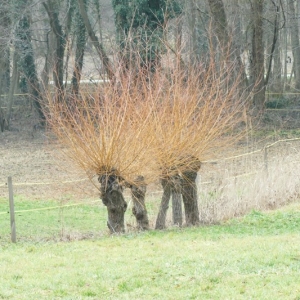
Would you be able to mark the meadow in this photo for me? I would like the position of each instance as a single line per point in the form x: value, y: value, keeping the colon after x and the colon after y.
x: 247, y: 246
x: 70, y: 255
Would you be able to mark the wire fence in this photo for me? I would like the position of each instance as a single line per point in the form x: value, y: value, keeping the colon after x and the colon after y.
x: 261, y: 150
x: 226, y: 187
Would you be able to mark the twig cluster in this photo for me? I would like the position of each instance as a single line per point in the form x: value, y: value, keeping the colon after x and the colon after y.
x: 155, y: 123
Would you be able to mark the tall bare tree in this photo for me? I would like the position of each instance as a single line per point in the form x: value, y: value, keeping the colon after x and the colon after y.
x: 257, y: 68
x: 52, y: 10
x: 295, y: 42
x: 95, y: 41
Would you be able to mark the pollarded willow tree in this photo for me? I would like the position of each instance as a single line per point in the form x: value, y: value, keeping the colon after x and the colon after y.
x: 150, y: 125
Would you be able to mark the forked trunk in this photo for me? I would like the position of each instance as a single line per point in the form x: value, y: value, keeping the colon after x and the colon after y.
x: 112, y: 198
x: 138, y: 191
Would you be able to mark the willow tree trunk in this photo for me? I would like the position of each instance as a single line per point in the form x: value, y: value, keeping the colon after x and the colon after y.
x: 164, y: 205
x: 112, y: 197
x: 189, y: 192
x: 139, y: 210
x: 176, y: 200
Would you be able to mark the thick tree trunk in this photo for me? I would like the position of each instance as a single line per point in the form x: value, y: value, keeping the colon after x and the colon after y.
x: 189, y: 193
x: 112, y: 198
x: 176, y: 200
x: 138, y: 191
x: 189, y: 196
x: 164, y: 205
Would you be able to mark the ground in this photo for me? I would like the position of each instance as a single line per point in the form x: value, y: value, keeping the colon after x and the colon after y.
x: 34, y: 159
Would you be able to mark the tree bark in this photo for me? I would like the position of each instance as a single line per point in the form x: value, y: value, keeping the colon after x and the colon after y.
x: 138, y: 191
x: 27, y: 62
x: 189, y: 193
x: 14, y: 79
x: 257, y: 65
x: 112, y: 197
x: 229, y: 49
x: 164, y: 205
x: 79, y: 54
x: 176, y: 200
x: 98, y: 46
x: 295, y: 42
x: 58, y: 74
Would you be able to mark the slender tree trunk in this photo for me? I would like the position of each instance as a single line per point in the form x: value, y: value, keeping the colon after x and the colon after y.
x: 274, y: 43
x: 113, y: 199
x: 277, y: 78
x: 99, y: 18
x: 228, y: 47
x: 12, y: 87
x: 98, y: 46
x: 4, y: 59
x: 257, y: 65
x: 4, y: 80
x: 284, y: 51
x: 58, y: 73
x: 192, y: 40
x: 79, y: 54
x: 138, y: 191
x: 295, y: 42
x: 27, y: 62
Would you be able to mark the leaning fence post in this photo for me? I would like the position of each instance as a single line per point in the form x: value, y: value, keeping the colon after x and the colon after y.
x: 12, y: 210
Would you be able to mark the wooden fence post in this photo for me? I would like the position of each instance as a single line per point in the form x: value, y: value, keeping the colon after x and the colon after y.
x: 266, y: 160
x: 12, y: 210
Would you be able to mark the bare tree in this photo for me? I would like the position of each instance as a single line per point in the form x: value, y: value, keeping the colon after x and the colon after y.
x: 80, y: 32
x: 257, y: 68
x: 58, y: 72
x: 295, y: 42
x: 94, y: 39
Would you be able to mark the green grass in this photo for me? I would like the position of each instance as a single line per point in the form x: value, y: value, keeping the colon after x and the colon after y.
x: 52, y: 220
x: 254, y: 257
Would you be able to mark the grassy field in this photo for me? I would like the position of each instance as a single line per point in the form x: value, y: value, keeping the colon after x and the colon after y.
x: 70, y: 256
